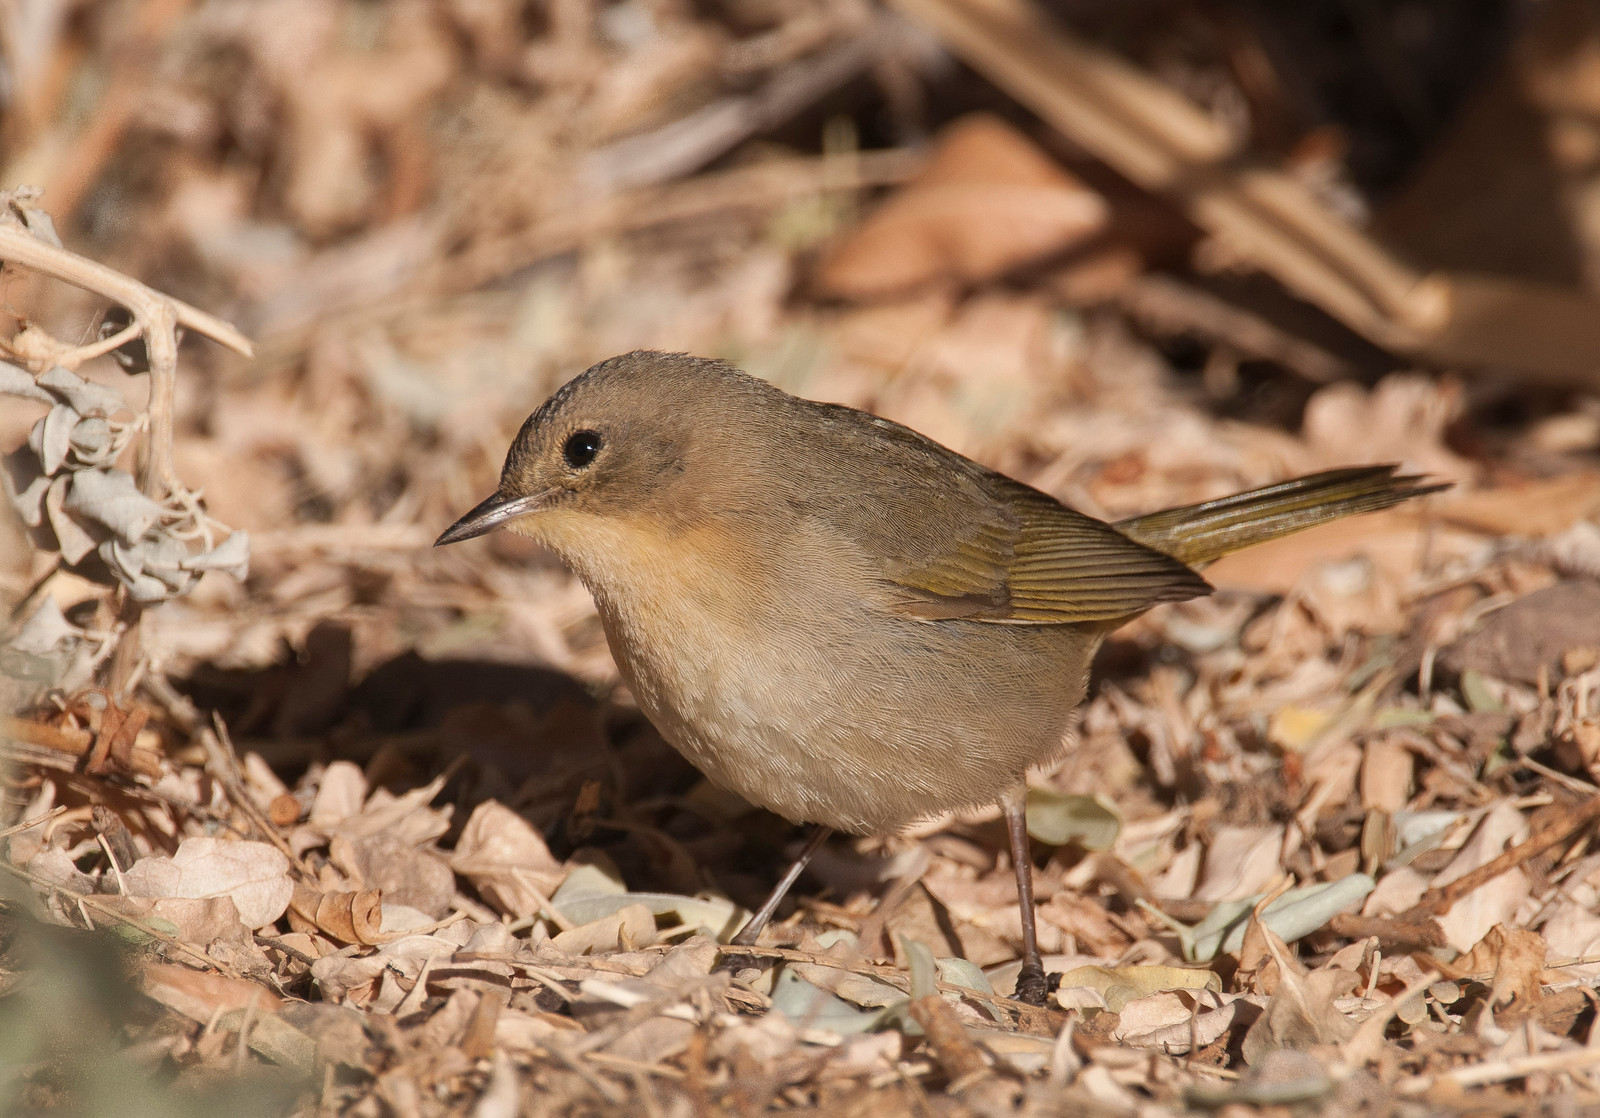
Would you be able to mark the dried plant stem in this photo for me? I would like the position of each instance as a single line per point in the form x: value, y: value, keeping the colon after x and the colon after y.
x: 1498, y: 1071
x: 156, y: 318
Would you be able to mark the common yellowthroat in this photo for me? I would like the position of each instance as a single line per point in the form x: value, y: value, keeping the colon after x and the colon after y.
x: 838, y: 618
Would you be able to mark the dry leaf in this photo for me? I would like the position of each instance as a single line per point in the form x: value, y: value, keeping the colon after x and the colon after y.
x: 405, y: 875
x: 1121, y: 985
x: 1386, y: 767
x: 1240, y: 861
x: 1545, y: 507
x: 628, y: 929
x: 506, y: 860
x: 1495, y: 901
x: 1526, y: 640
x: 202, y: 995
x: 340, y: 795
x: 988, y: 201
x: 346, y: 917
x: 1301, y: 1013
x: 254, y: 875
x: 1175, y: 1022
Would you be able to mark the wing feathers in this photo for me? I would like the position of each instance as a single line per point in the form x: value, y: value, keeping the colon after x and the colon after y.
x: 1050, y: 566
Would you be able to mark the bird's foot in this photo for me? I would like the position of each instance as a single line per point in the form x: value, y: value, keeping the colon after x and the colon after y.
x: 1031, y: 985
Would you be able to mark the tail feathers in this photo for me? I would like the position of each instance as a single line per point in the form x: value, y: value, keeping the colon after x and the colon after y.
x: 1198, y: 534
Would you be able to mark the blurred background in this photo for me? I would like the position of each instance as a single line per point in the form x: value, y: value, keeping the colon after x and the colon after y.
x: 1136, y: 254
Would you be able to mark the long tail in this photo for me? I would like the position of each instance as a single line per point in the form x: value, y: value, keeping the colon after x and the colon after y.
x: 1198, y: 534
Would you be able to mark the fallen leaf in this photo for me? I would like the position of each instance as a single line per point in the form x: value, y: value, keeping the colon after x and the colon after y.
x: 254, y: 875
x: 1121, y: 985
x: 1175, y: 1022
x: 347, y: 917
x: 201, y: 995
x: 1544, y: 507
x: 1527, y: 639
x: 1301, y: 1013
x: 1386, y: 768
x: 1240, y: 861
x: 628, y: 929
x: 1059, y: 820
x: 506, y: 860
x: 988, y: 201
x: 1495, y: 901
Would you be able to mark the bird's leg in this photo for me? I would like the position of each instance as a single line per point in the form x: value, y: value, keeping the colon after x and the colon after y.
x: 1031, y: 986
x: 752, y: 930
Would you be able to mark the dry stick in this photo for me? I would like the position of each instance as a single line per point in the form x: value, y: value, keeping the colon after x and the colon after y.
x: 28, y: 824
x: 1438, y: 901
x: 1392, y: 932
x: 689, y: 143
x: 1179, y: 308
x: 1498, y: 1071
x: 1165, y: 144
x: 72, y: 741
x: 21, y: 247
x: 222, y: 761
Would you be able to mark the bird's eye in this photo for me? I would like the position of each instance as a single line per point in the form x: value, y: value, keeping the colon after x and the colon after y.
x: 580, y: 448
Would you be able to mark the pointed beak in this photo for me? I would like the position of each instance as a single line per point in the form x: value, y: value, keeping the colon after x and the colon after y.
x: 491, y: 514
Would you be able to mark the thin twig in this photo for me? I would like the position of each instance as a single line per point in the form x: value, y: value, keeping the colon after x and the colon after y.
x: 1498, y: 1071
x: 28, y: 824
x: 21, y: 247
x: 1436, y: 902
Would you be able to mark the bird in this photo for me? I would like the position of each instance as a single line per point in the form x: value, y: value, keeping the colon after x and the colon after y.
x: 840, y: 619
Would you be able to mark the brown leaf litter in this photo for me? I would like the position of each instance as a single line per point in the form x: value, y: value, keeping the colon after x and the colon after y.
x: 379, y: 827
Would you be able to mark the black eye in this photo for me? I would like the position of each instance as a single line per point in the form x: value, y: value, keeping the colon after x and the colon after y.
x: 580, y: 448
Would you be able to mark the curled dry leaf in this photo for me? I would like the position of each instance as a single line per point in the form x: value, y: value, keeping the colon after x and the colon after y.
x: 628, y: 929
x: 254, y: 875
x: 419, y: 879
x: 1514, y: 958
x: 347, y: 917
